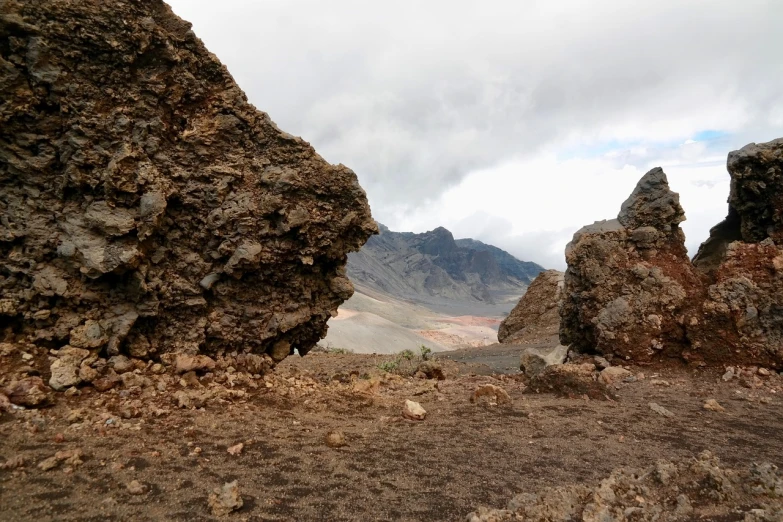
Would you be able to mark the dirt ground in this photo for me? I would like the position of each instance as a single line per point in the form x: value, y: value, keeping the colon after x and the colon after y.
x: 463, y: 455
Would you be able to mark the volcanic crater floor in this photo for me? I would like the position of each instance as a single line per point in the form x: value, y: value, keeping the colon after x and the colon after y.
x: 463, y: 455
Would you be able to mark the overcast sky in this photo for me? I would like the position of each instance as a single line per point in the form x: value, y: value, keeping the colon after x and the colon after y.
x: 513, y: 122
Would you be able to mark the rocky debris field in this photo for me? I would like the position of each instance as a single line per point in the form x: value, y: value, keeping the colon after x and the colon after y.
x: 334, y: 437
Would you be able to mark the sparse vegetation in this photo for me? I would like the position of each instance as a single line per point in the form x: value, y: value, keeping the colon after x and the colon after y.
x: 338, y: 350
x: 406, y: 362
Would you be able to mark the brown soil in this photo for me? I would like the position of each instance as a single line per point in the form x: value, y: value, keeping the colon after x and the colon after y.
x: 462, y: 456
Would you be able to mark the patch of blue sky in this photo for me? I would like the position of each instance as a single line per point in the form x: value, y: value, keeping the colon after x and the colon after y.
x: 596, y: 150
x: 709, y: 135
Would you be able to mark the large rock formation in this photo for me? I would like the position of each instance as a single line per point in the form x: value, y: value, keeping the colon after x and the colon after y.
x: 631, y: 291
x: 629, y: 282
x: 536, y: 315
x: 742, y: 314
x: 145, y: 205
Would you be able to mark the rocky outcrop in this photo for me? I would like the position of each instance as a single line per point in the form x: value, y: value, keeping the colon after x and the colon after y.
x: 629, y: 281
x: 537, y: 313
x: 741, y: 318
x: 632, y: 292
x: 146, y: 206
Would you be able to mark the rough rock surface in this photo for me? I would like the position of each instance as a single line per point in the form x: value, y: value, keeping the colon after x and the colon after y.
x: 535, y: 359
x: 537, y: 313
x: 742, y: 316
x: 145, y: 205
x: 700, y: 488
x: 631, y: 290
x: 630, y: 281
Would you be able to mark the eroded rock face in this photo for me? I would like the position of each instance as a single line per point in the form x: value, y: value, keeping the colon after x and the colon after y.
x: 742, y: 315
x: 536, y: 315
x: 145, y: 205
x: 631, y: 290
x: 629, y: 284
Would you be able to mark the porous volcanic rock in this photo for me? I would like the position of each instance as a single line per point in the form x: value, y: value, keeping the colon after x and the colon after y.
x: 537, y: 312
x: 629, y: 283
x: 631, y: 291
x: 145, y: 205
x: 741, y: 318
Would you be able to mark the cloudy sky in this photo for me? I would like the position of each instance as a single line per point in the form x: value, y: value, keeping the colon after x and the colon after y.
x: 514, y: 122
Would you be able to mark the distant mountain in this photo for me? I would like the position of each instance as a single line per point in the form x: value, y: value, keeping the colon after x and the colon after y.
x: 438, y: 271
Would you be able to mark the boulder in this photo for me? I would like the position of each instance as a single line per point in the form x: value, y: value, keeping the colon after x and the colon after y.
x: 147, y: 206
x: 535, y: 359
x: 536, y: 315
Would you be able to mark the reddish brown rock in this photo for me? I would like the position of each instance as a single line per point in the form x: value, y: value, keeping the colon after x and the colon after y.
x: 629, y: 283
x: 741, y: 319
x: 29, y: 392
x: 632, y: 292
x: 147, y: 206
x: 536, y: 315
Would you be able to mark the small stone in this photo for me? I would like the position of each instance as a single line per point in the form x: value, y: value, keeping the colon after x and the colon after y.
x: 65, y: 369
x: 763, y: 372
x: 30, y: 392
x: 7, y: 349
x: 490, y: 395
x: 48, y: 464
x: 136, y: 488
x: 236, y: 449
x: 660, y: 410
x: 193, y: 363
x: 335, y: 439
x: 13, y: 463
x: 59, y: 438
x: 121, y: 364
x: 613, y: 375
x: 225, y: 499
x: 729, y: 375
x: 413, y: 410
x: 5, y: 404
x: 712, y: 405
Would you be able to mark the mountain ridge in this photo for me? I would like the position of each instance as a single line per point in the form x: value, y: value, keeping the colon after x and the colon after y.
x: 436, y: 270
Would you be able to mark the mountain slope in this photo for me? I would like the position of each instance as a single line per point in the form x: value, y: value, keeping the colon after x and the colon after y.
x: 462, y: 277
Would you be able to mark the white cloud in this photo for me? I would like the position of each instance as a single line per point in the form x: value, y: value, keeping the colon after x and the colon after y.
x: 533, y: 117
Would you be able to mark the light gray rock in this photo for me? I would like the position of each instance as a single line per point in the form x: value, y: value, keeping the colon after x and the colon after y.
x: 534, y: 360
x: 65, y: 369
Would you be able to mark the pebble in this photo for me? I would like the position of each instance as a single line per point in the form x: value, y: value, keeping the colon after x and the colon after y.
x: 713, y: 405
x: 136, y: 488
x: 335, y: 439
x: 236, y: 449
x: 660, y: 410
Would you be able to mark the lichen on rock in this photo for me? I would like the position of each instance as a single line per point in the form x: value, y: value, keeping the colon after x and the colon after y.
x: 147, y: 206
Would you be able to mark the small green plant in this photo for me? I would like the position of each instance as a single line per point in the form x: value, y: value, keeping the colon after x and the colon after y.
x: 338, y: 350
x: 389, y: 366
x: 407, y: 361
x: 407, y: 355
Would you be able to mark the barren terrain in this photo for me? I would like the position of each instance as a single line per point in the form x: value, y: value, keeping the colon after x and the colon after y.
x: 463, y: 455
